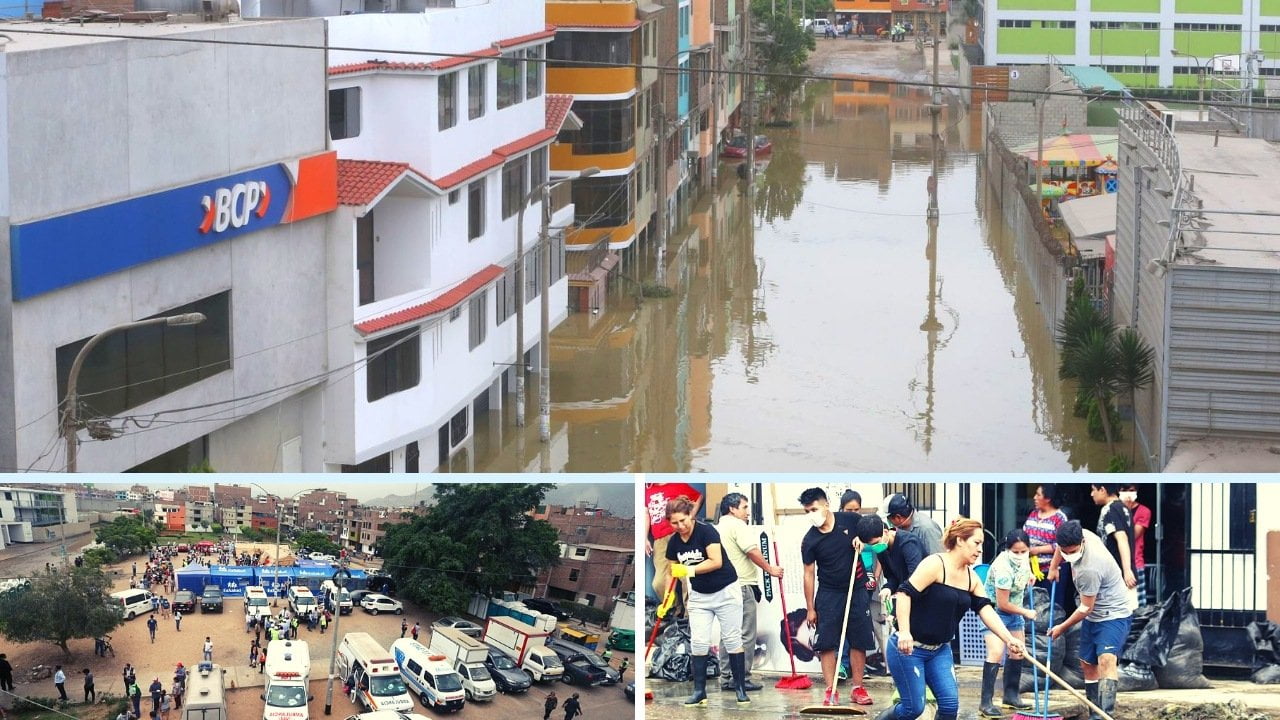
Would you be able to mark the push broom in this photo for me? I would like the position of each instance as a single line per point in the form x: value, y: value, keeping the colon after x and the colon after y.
x: 794, y: 682
x: 1041, y: 711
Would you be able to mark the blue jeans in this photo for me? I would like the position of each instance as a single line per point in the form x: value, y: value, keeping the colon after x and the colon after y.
x: 923, y: 667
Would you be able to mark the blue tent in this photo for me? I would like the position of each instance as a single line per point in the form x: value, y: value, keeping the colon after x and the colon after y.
x: 312, y: 577
x: 233, y: 579
x: 267, y: 575
x: 192, y: 577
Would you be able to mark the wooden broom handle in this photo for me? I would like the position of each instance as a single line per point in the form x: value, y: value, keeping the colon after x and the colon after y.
x: 1074, y: 692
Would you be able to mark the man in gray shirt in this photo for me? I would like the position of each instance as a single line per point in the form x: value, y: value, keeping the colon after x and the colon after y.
x: 903, y: 515
x: 1104, y: 608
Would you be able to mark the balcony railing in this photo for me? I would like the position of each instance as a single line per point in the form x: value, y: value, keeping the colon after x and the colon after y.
x: 561, y: 196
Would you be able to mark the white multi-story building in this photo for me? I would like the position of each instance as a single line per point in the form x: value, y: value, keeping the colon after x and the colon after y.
x: 438, y: 150
x: 142, y: 178
x: 28, y: 514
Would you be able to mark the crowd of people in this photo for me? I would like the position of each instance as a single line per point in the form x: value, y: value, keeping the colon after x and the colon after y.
x: 894, y: 588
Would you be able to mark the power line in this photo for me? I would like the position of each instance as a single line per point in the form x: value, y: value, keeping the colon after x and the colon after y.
x: 587, y: 64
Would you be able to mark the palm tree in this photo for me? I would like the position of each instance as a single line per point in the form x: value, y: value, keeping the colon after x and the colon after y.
x: 1133, y: 365
x: 1092, y: 363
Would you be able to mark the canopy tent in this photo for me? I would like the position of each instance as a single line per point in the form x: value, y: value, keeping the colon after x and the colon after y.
x: 192, y: 577
x: 312, y: 576
x: 1078, y: 151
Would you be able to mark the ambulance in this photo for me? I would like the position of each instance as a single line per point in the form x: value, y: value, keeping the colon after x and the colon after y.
x: 288, y: 673
x: 430, y: 675
x: 374, y: 674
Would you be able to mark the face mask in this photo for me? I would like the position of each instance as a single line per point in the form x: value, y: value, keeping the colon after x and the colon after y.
x: 1020, y: 558
x: 879, y: 547
x: 817, y: 518
x: 1129, y: 496
x: 1073, y: 557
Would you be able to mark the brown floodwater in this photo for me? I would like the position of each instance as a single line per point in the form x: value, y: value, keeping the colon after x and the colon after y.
x: 816, y: 324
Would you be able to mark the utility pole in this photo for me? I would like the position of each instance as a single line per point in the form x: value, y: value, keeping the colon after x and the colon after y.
x: 935, y: 108
x: 519, y: 363
x: 340, y: 579
x: 660, y: 111
x: 544, y: 341
x: 749, y: 95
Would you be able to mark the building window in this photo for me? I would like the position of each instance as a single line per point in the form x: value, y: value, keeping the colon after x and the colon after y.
x: 533, y: 72
x: 454, y: 196
x: 607, y: 126
x: 130, y: 368
x: 510, y: 74
x: 1114, y: 25
x: 571, y: 48
x: 1014, y: 24
x: 476, y: 77
x: 506, y: 294
x: 447, y: 93
x: 1206, y: 27
x: 579, y: 552
x: 602, y: 201
x: 617, y: 580
x: 477, y: 319
x: 393, y: 364
x: 475, y: 209
x: 458, y: 428
x: 344, y: 113
x: 1058, y: 24
x: 573, y: 575
x: 537, y: 167
x: 364, y: 257
x: 514, y: 186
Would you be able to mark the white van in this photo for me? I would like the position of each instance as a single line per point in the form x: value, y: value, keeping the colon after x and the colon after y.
x: 257, y: 602
x: 288, y: 673
x: 336, y: 599
x: 301, y: 600
x: 378, y: 685
x: 430, y: 674
x: 204, y: 699
x: 133, y: 602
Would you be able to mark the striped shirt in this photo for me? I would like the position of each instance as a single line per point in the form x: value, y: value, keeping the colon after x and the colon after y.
x: 1044, y: 531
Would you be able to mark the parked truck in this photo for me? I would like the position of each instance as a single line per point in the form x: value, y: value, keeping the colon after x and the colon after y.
x: 526, y: 645
x: 288, y: 672
x: 466, y: 655
x: 204, y: 698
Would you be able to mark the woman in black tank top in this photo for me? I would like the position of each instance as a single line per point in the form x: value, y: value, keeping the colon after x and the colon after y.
x: 928, y: 612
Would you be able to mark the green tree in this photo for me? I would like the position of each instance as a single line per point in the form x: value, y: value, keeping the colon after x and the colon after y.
x: 1134, y: 360
x: 128, y: 534
x: 216, y: 528
x: 100, y: 556
x: 316, y: 542
x: 475, y: 539
x: 1092, y: 364
x: 782, y: 53
x: 59, y: 607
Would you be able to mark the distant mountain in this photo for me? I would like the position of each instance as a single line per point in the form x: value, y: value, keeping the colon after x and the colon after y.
x: 617, y: 498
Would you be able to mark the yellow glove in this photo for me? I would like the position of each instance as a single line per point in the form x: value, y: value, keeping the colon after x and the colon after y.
x: 679, y: 571
x: 667, y: 602
x: 1036, y: 570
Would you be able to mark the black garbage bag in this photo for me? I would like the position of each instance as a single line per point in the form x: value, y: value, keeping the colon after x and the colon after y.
x: 1265, y: 636
x: 1184, y: 667
x: 1136, y: 677
x: 795, y: 618
x: 672, y: 652
x: 1152, y: 633
x: 1041, y: 599
x: 1071, y: 656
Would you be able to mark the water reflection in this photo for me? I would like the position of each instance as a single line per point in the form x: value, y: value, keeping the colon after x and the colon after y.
x: 804, y: 333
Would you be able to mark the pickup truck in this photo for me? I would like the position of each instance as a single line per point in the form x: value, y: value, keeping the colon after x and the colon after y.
x: 572, y: 654
x: 184, y: 600
x: 211, y: 599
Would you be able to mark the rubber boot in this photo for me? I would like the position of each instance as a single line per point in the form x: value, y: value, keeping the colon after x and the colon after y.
x: 889, y: 713
x: 726, y: 678
x: 1012, y: 681
x: 738, y: 663
x: 986, y: 708
x: 699, y: 696
x: 1091, y: 691
x: 1107, y: 694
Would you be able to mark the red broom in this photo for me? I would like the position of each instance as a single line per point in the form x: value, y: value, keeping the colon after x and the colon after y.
x: 794, y: 682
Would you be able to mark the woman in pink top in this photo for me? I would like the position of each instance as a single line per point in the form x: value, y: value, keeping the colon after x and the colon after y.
x: 1041, y: 527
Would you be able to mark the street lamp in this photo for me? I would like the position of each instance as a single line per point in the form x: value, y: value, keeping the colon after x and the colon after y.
x: 340, y: 579
x: 69, y: 419
x: 275, y: 600
x: 544, y: 352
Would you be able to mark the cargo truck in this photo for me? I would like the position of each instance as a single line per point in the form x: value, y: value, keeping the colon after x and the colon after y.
x: 466, y: 655
x: 526, y: 645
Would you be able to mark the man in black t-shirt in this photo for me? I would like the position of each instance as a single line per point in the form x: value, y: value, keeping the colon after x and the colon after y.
x: 695, y: 553
x: 1115, y: 527
x: 829, y: 554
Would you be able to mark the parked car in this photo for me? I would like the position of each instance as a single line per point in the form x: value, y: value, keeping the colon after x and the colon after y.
x: 182, y: 547
x: 457, y: 623
x: 570, y: 652
x: 185, y: 601
x: 374, y: 603
x: 211, y: 599
x: 506, y: 674
x: 581, y: 672
x: 630, y: 691
x: 817, y: 26
x: 547, y: 607
x: 322, y: 557
x: 358, y: 595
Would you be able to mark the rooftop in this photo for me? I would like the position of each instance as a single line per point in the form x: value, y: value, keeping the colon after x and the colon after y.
x: 1238, y: 174
x: 42, y: 35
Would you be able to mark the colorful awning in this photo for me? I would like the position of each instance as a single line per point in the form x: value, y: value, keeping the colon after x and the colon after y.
x: 1078, y: 150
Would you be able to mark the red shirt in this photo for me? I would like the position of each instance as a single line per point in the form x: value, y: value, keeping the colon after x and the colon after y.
x: 1141, y: 516
x: 656, y: 497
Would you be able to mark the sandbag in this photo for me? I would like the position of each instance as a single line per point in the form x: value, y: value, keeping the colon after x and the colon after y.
x: 1135, y: 677
x: 1265, y: 636
x: 1268, y: 675
x: 1152, y: 633
x: 1184, y: 667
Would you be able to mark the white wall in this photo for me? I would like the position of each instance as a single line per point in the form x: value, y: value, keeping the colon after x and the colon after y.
x: 402, y: 245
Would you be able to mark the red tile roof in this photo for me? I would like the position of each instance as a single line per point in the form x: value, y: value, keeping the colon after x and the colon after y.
x: 557, y: 110
x: 360, y: 182
x: 527, y: 142
x: 468, y: 171
x: 522, y: 39
x: 463, y: 59
x: 441, y: 303
x: 598, y: 26
x: 372, y: 65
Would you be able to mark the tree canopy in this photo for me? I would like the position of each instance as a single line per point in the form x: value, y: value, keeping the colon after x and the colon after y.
x: 128, y: 534
x: 57, y: 607
x: 475, y: 539
x: 316, y: 542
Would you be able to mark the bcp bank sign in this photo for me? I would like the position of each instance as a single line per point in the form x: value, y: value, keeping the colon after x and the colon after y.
x: 67, y: 249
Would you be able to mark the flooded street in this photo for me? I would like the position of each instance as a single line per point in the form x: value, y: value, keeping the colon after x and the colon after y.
x: 814, y: 326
